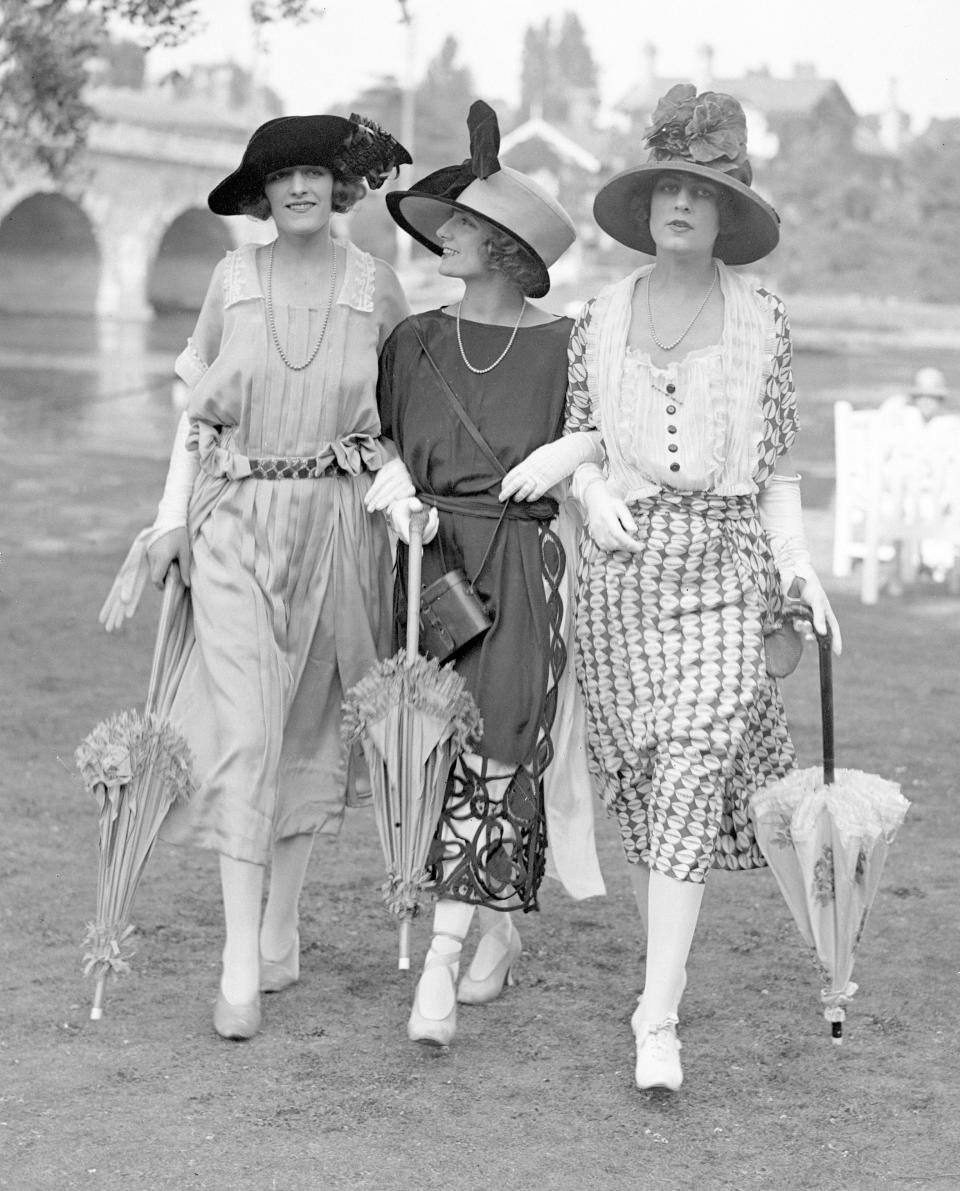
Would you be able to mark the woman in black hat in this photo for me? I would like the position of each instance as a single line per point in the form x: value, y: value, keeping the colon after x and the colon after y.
x: 694, y: 532
x: 505, y: 360
x: 263, y: 510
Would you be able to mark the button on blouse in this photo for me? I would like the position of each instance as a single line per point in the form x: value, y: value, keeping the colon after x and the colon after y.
x: 668, y: 424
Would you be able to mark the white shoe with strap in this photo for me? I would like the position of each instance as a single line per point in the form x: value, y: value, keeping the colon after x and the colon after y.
x: 433, y: 1018
x: 658, y: 1053
x: 492, y: 966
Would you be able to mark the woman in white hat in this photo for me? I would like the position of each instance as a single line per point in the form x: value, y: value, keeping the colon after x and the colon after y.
x: 263, y: 510
x: 505, y: 360
x: 694, y: 531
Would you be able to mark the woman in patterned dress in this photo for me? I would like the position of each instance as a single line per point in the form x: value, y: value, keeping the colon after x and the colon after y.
x: 694, y: 532
x: 506, y: 361
x: 263, y: 510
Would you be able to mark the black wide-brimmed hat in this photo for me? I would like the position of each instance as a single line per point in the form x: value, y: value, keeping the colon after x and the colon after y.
x: 506, y: 199
x: 356, y: 148
x: 704, y: 135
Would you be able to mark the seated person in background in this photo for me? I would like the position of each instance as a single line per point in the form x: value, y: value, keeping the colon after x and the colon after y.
x: 927, y: 397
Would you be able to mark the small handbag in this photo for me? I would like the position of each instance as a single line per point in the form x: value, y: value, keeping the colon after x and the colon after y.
x: 783, y: 646
x: 452, y: 615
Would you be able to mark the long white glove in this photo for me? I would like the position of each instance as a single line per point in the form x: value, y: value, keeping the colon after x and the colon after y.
x: 548, y: 465
x: 392, y: 482
x: 124, y: 595
x: 781, y: 515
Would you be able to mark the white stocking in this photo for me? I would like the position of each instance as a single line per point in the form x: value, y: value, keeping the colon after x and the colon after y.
x: 242, y: 885
x: 674, y: 908
x: 287, y: 872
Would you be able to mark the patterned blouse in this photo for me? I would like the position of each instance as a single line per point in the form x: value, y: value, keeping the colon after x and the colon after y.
x: 714, y: 421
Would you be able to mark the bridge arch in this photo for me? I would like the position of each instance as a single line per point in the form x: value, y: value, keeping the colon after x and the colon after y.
x: 185, y: 256
x: 50, y: 255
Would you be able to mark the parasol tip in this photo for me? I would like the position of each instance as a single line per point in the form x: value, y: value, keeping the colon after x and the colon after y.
x: 836, y: 1033
x: 403, y: 963
x: 96, y: 1013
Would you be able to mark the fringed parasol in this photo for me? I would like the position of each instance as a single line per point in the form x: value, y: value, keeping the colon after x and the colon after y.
x: 412, y: 718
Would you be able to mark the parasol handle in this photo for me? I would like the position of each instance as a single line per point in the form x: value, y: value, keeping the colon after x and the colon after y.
x: 418, y: 522
x: 96, y: 1010
x: 171, y: 583
x: 826, y: 705
x: 798, y: 610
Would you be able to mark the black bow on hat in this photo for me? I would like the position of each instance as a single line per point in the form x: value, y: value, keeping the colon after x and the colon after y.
x: 483, y: 161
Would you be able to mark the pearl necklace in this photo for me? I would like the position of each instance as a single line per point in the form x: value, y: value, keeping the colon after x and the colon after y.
x: 271, y: 319
x: 668, y: 347
x: 502, y: 356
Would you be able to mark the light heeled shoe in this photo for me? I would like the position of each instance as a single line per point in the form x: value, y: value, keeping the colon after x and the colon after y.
x: 492, y: 967
x: 658, y: 1053
x: 276, y: 975
x: 236, y: 1022
x: 433, y: 1017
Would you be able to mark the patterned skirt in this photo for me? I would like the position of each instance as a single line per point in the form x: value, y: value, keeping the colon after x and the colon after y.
x: 684, y: 723
x: 491, y: 842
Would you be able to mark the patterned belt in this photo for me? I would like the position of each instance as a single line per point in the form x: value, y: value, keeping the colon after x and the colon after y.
x: 310, y: 467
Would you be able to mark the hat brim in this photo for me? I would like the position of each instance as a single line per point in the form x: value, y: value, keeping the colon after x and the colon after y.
x: 279, y: 144
x: 756, y: 226
x: 420, y: 215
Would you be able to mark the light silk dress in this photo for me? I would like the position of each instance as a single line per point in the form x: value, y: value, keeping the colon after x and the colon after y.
x: 291, y: 583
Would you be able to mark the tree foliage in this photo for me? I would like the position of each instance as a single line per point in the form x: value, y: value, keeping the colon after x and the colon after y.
x: 555, y: 67
x: 49, y: 47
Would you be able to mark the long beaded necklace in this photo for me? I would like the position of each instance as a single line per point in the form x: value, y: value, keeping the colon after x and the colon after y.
x: 271, y: 318
x: 668, y: 347
x: 502, y: 356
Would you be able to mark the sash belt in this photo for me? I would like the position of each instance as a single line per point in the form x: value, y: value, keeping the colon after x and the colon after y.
x: 484, y: 506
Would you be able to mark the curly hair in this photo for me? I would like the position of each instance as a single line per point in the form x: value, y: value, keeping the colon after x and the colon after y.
x: 502, y: 252
x: 347, y: 192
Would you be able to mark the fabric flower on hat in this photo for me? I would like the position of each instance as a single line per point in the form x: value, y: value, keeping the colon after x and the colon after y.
x: 370, y: 152
x: 709, y: 129
x: 717, y: 132
x: 667, y: 136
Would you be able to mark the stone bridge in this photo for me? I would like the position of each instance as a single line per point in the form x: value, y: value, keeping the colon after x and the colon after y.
x: 129, y: 233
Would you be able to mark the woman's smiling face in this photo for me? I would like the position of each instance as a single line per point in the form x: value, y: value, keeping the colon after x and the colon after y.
x: 463, y: 238
x: 300, y: 198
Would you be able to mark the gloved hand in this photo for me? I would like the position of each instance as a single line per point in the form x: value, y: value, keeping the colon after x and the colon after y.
x: 551, y: 463
x: 609, y: 521
x: 398, y: 518
x: 165, y: 548
x: 812, y: 593
x: 392, y: 482
x: 781, y: 516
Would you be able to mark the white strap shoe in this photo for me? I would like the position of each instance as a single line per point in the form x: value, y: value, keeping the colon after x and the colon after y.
x: 658, y: 1054
x: 433, y: 1018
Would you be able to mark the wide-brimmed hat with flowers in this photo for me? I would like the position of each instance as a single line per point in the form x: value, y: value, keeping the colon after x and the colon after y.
x: 704, y: 135
x: 356, y: 148
x: 508, y: 200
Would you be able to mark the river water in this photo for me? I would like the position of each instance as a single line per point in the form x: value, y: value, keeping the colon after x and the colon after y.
x: 87, y: 384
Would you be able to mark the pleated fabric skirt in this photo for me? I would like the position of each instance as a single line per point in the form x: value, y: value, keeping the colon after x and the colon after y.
x: 291, y: 589
x: 684, y: 723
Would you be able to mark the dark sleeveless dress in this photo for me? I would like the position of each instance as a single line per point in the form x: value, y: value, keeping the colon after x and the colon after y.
x: 492, y: 836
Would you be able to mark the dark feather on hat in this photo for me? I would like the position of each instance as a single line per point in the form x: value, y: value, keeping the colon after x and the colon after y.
x: 484, y: 139
x: 370, y: 152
